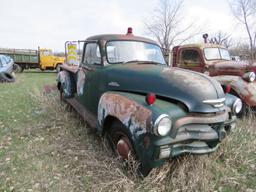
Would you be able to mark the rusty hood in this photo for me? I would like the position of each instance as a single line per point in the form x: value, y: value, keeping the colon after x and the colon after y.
x: 190, y: 88
x: 231, y: 67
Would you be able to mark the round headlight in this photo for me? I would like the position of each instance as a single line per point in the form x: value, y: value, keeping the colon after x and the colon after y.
x: 237, y: 106
x: 251, y: 76
x: 163, y: 125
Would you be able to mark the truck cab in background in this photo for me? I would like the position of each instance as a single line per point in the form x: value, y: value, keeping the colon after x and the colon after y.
x: 237, y: 77
x: 48, y: 60
x: 33, y: 59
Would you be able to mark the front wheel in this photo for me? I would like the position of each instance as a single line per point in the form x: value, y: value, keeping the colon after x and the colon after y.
x: 121, y: 142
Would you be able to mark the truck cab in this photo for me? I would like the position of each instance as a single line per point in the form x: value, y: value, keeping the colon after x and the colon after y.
x: 48, y: 60
x: 200, y: 57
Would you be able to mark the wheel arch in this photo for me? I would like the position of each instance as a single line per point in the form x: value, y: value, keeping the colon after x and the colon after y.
x: 66, y: 83
x: 56, y: 65
x: 107, y: 123
x: 133, y: 115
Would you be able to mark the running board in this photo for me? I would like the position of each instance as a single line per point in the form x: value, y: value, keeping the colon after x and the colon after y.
x: 85, y: 114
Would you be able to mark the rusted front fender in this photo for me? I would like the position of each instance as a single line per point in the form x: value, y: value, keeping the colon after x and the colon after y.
x: 134, y: 116
x: 245, y: 90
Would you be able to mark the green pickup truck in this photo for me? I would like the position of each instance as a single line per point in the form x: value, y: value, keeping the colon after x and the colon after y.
x: 124, y: 89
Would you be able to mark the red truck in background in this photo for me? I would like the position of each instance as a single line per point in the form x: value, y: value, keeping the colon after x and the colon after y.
x: 236, y: 77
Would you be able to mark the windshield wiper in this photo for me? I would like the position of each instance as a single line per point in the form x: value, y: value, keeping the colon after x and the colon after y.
x: 131, y: 61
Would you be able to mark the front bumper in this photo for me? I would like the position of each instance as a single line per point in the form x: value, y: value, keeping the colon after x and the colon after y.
x: 230, y: 124
x: 191, y: 139
x: 195, y: 134
x: 192, y: 148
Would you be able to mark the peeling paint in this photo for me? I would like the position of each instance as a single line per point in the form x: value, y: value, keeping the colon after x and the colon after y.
x: 80, y: 82
x: 134, y: 116
x: 190, y: 79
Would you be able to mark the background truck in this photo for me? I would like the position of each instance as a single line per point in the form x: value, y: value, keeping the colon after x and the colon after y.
x: 237, y: 77
x: 31, y: 59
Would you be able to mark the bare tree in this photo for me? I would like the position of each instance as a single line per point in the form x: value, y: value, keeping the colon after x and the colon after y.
x: 221, y: 38
x: 245, y: 12
x: 165, y: 25
x: 241, y: 49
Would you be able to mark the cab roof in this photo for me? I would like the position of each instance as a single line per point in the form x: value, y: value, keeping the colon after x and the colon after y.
x: 202, y: 45
x: 114, y: 37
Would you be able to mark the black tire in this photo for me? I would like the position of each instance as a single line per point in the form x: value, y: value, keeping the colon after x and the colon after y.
x: 6, y: 77
x: 117, y: 132
x: 22, y: 69
x: 66, y: 85
x: 17, y: 68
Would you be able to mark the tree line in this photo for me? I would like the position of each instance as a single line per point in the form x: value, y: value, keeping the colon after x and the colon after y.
x: 167, y: 27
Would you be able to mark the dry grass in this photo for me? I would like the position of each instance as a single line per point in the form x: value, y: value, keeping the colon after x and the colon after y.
x: 91, y: 165
x: 58, y: 153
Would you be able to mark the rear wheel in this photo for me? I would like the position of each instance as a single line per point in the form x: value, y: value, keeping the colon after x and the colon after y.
x: 65, y: 84
x: 58, y: 67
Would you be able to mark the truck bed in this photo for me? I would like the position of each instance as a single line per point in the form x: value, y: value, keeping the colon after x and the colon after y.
x: 22, y: 56
x: 70, y: 68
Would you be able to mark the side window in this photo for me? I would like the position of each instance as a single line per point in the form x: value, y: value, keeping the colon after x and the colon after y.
x: 92, y: 54
x: 1, y: 65
x: 190, y: 58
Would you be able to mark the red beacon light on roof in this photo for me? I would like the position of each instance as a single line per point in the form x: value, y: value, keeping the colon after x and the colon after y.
x: 129, y: 31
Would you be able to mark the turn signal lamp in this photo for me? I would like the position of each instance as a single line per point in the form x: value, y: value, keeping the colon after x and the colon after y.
x: 150, y: 98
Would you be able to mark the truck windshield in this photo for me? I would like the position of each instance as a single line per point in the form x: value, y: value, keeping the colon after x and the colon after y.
x: 215, y: 53
x: 126, y: 51
x: 46, y: 52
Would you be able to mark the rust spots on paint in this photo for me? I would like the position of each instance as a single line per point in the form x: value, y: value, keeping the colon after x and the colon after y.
x: 130, y: 113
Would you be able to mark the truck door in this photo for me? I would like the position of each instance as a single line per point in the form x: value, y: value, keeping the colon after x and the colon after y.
x: 190, y: 59
x: 88, y: 78
x: 46, y: 59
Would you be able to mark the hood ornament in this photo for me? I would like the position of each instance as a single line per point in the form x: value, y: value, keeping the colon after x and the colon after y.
x: 217, y: 103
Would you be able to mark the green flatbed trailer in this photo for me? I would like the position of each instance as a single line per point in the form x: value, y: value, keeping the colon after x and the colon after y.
x: 25, y: 58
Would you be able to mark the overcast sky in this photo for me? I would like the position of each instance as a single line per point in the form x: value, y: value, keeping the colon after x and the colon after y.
x: 49, y: 23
